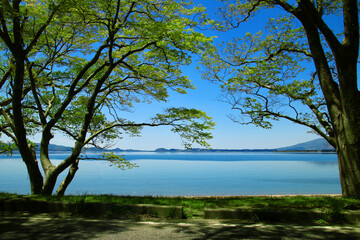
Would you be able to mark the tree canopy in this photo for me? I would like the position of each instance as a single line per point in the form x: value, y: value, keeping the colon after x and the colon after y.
x: 300, y: 67
x: 72, y: 67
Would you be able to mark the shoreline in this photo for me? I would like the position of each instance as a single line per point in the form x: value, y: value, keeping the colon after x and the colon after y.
x: 245, y: 196
x: 189, y: 197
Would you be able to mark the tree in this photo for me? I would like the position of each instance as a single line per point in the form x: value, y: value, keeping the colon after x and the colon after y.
x: 71, y: 67
x: 263, y: 73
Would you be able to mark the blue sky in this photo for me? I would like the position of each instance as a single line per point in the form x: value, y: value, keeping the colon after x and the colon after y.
x: 227, y: 134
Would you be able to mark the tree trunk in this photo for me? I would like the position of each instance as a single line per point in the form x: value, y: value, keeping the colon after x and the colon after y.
x: 349, y: 166
x: 36, y: 179
x: 342, y: 96
x: 27, y: 152
x: 49, y: 183
x: 347, y: 127
x: 63, y: 186
x: 348, y: 149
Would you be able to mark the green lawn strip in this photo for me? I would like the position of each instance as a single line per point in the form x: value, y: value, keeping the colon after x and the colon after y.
x: 194, y: 206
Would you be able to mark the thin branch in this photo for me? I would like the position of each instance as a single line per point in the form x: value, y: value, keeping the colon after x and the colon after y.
x: 48, y: 109
x: 319, y: 116
x: 67, y: 131
x: 246, y: 17
x: 10, y: 135
x: 129, y: 12
x: 266, y: 59
x: 6, y: 76
x: 91, y: 77
x: 313, y: 127
x: 122, y: 125
x: 121, y: 60
x: 35, y: 94
x: 8, y: 119
x: 5, y: 102
x: 42, y: 29
x: 72, y: 92
x: 4, y: 34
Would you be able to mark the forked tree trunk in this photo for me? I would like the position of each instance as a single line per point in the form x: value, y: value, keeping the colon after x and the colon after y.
x: 36, y: 179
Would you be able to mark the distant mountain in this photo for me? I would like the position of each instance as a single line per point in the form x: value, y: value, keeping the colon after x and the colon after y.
x: 60, y: 148
x: 314, y: 145
x: 55, y: 148
x: 319, y: 144
x: 212, y: 150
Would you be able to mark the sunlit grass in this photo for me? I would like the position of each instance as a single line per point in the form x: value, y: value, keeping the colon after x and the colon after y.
x: 302, y: 202
x: 194, y: 206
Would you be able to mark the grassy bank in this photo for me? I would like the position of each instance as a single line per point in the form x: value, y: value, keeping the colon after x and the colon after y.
x: 194, y: 206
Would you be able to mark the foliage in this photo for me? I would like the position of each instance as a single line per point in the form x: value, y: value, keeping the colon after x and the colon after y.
x: 118, y: 161
x: 264, y: 74
x: 72, y: 67
x: 7, y: 148
x: 301, y: 68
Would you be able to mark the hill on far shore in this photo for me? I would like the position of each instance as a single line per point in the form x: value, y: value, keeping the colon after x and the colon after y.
x: 319, y: 144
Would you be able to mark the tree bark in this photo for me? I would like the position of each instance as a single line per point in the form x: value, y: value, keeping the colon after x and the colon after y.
x: 63, y: 186
x: 342, y: 98
x: 27, y: 152
x: 349, y: 167
x: 36, y: 179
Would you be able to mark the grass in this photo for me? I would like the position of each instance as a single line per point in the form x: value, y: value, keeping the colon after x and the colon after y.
x: 194, y: 206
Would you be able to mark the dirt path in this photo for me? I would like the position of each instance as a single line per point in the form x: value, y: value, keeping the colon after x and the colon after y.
x: 43, y: 227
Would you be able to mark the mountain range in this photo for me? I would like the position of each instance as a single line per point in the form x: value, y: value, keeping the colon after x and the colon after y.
x: 319, y: 144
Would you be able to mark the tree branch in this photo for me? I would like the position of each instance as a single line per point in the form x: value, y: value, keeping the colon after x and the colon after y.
x: 246, y: 17
x: 319, y: 116
x: 122, y: 125
x: 34, y: 92
x: 7, y: 74
x: 309, y: 9
x: 269, y: 57
x: 4, y: 34
x: 72, y: 92
x: 42, y: 29
x: 313, y: 127
x: 65, y: 130
x: 8, y: 119
x: 10, y: 135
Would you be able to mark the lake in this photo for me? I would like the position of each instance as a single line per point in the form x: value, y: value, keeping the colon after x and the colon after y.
x: 193, y: 174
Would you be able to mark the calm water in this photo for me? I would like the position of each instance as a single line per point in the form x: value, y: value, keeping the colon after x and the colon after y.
x: 189, y: 174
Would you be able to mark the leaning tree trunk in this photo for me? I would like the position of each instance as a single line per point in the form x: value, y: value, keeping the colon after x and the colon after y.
x: 63, y: 186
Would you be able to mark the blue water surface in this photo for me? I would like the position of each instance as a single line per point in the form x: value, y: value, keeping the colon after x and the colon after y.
x: 192, y: 174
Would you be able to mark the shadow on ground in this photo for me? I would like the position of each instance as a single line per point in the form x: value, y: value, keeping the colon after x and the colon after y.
x: 56, y: 228
x: 30, y: 227
x: 279, y: 232
x: 228, y: 230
